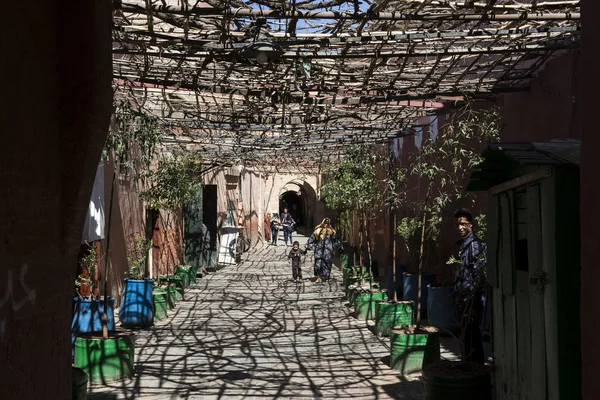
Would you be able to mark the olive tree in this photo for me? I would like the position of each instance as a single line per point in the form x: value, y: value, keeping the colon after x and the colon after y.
x: 355, y: 185
x: 440, y: 170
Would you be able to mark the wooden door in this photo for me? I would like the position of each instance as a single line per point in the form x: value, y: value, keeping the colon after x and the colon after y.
x: 538, y: 376
x: 504, y: 303
x: 157, y: 241
x: 519, y: 334
x: 522, y: 262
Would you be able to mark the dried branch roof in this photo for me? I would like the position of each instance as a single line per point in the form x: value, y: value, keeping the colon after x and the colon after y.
x: 344, y: 71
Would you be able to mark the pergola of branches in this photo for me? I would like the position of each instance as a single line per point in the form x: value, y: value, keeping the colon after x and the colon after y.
x: 252, y: 81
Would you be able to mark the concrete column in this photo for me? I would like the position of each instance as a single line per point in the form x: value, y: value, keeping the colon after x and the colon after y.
x: 55, y: 74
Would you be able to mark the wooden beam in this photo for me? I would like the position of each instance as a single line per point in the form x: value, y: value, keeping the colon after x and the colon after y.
x: 337, y: 15
x: 543, y: 172
x: 336, y: 54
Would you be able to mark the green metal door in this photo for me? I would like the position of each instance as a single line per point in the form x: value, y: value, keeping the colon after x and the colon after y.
x: 209, y: 216
x: 192, y: 232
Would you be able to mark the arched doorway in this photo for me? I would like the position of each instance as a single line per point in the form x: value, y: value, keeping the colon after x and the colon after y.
x: 300, y: 199
x: 294, y: 202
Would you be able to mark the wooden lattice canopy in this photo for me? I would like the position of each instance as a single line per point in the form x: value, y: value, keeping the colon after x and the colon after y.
x: 251, y: 81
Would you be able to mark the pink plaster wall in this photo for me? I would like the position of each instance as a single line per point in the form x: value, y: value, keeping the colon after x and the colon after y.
x: 54, y: 112
x: 549, y: 110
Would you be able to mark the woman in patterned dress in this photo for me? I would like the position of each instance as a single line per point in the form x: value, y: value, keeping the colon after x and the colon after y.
x: 324, y: 242
x: 267, y: 227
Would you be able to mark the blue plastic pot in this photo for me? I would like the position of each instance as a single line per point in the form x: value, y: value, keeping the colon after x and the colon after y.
x: 137, y: 308
x: 400, y: 270
x: 441, y: 310
x: 87, y: 317
x: 411, y: 291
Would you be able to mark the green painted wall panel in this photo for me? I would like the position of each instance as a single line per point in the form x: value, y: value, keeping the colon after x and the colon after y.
x: 209, y: 217
x: 192, y: 232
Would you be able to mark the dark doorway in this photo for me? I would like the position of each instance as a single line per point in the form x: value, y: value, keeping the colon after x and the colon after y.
x: 209, y: 217
x: 294, y: 202
x: 153, y: 234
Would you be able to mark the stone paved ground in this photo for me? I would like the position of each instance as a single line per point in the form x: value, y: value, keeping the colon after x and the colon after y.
x: 249, y: 332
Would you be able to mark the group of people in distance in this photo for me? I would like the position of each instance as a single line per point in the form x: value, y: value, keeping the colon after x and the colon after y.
x: 470, y: 282
x: 273, y: 223
x: 323, y: 241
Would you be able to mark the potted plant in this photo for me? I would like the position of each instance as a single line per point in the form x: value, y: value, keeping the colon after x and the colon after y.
x: 174, y: 182
x: 393, y: 312
x: 359, y: 185
x: 88, y: 307
x: 461, y: 379
x: 137, y: 308
x: 412, y: 346
x: 418, y: 242
x: 160, y: 302
x: 105, y: 355
x: 441, y: 165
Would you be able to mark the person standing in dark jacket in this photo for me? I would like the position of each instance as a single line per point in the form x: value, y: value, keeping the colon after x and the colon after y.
x: 205, y: 247
x: 295, y: 256
x: 470, y: 286
x: 288, y: 224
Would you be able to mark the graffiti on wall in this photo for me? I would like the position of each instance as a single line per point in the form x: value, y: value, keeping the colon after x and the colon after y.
x: 8, y: 300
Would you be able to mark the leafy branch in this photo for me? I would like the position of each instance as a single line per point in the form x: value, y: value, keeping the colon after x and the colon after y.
x: 173, y: 182
x: 361, y: 183
x: 442, y: 167
x: 138, y: 252
x: 136, y: 140
x: 355, y: 184
x: 87, y: 263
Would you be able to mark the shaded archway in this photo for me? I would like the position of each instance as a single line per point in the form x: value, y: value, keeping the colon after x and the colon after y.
x: 300, y: 199
x: 294, y: 202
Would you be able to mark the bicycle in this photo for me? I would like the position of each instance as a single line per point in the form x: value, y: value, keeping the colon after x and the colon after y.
x: 241, y: 244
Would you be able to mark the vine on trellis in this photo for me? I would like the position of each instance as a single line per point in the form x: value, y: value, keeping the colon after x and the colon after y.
x: 136, y: 141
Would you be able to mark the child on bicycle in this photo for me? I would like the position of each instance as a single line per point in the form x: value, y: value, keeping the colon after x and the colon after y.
x: 295, y: 256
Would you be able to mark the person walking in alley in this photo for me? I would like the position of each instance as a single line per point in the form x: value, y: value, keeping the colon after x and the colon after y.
x: 267, y: 227
x: 470, y: 286
x: 295, y: 256
x: 324, y: 241
x: 205, y: 247
x: 274, y: 229
x: 288, y: 224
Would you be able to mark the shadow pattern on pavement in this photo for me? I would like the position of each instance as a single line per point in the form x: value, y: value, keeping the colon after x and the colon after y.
x: 248, y: 331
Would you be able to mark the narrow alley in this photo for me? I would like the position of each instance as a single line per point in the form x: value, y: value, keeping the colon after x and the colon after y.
x: 152, y: 148
x: 248, y: 331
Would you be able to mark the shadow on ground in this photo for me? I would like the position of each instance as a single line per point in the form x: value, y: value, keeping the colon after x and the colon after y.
x: 247, y: 331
